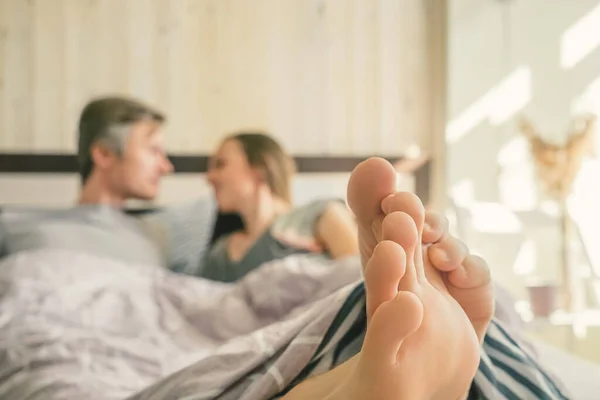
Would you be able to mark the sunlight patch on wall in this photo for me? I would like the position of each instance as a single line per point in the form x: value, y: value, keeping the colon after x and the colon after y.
x: 494, y: 218
x: 584, y: 200
x: 518, y: 190
x: 515, y: 152
x: 463, y: 192
x: 516, y: 182
x: 580, y: 40
x: 499, y: 104
x: 589, y: 101
x: 511, y: 96
x: 584, y: 210
x: 525, y: 262
x: 550, y: 208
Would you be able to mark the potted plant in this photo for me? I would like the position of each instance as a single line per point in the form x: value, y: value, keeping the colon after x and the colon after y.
x: 557, y: 166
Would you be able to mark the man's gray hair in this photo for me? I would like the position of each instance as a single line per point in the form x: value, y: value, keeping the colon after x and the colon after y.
x: 108, y: 120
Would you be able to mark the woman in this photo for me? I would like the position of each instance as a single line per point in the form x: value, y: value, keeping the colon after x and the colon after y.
x: 251, y: 176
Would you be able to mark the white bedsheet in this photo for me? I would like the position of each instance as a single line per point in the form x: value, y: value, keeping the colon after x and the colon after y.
x: 579, y: 376
x: 77, y: 326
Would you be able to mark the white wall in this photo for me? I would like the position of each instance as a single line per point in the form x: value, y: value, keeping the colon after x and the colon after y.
x: 506, y: 58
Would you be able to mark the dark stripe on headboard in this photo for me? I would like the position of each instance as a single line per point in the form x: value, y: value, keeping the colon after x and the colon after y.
x: 67, y: 163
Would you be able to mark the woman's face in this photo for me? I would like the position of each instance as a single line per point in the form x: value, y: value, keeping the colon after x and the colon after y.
x: 234, y: 181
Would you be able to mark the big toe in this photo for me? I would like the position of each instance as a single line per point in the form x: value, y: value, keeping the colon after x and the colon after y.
x: 371, y: 182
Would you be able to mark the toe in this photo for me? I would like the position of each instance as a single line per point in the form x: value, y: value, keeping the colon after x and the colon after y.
x: 400, y: 228
x: 448, y: 254
x: 471, y: 286
x: 436, y: 227
x: 383, y: 273
x: 391, y: 324
x: 370, y: 182
x: 408, y: 203
x: 473, y: 273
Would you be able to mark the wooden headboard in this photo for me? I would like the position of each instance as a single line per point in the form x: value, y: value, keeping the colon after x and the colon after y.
x: 33, y: 163
x: 14, y: 163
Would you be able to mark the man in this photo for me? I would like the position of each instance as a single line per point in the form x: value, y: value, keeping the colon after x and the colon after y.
x: 120, y: 152
x: 121, y: 156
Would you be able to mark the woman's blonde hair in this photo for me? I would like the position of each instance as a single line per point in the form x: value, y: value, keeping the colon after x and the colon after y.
x: 266, y: 154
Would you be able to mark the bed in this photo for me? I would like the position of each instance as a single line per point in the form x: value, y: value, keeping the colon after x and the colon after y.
x: 75, y: 325
x: 149, y: 326
x: 578, y: 376
x: 80, y: 325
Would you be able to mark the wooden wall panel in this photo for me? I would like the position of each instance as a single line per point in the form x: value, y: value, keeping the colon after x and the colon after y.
x: 325, y: 76
x: 16, y: 86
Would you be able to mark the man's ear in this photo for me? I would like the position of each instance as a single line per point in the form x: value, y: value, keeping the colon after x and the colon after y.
x: 102, y: 156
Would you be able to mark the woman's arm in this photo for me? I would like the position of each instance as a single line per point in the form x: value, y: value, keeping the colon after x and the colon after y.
x: 337, y: 231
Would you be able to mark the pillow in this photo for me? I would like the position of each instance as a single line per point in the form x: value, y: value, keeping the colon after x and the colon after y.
x: 297, y: 227
x: 90, y: 228
x: 183, y: 232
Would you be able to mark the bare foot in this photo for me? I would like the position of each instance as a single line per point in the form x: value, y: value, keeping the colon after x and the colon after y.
x: 419, y: 342
x: 372, y: 196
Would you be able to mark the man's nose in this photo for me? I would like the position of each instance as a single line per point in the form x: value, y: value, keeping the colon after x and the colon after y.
x: 167, y: 166
x: 210, y: 176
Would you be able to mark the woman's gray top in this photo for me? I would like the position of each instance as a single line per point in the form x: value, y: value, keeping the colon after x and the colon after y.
x: 301, y: 221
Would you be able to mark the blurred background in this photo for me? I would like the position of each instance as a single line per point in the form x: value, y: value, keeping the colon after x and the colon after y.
x: 496, y: 99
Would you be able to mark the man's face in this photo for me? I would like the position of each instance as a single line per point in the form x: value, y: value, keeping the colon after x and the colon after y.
x: 137, y: 173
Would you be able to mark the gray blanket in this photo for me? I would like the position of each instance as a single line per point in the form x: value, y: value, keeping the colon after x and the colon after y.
x: 77, y: 326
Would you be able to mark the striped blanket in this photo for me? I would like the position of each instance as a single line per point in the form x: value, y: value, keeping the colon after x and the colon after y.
x: 77, y: 326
